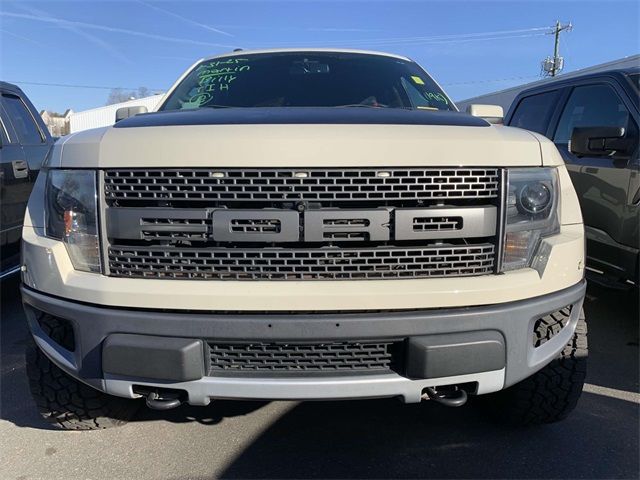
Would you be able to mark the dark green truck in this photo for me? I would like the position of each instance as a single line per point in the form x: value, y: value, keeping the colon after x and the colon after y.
x: 593, y: 120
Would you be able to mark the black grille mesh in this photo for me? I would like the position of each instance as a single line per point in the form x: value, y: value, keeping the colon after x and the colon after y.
x: 301, y: 264
x: 284, y: 358
x: 246, y: 185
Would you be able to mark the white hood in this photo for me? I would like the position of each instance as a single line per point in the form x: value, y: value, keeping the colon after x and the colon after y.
x: 299, y: 146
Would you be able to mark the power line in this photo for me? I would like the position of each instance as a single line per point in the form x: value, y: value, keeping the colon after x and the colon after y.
x: 449, y: 37
x: 101, y: 87
x: 69, y: 85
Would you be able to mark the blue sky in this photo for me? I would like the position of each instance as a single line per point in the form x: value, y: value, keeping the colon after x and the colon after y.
x: 470, y: 47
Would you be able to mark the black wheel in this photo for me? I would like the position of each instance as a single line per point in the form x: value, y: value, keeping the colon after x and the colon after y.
x: 553, y: 392
x: 69, y: 404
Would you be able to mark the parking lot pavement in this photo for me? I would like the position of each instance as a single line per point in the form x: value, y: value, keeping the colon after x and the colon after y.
x: 358, y: 439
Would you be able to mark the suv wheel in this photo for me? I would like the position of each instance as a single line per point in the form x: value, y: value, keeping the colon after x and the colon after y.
x: 550, y: 394
x: 69, y: 404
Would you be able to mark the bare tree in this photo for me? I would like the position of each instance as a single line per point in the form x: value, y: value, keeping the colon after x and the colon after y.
x: 143, y: 92
x: 118, y: 95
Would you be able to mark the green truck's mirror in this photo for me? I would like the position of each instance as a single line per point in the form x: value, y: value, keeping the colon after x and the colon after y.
x: 600, y: 141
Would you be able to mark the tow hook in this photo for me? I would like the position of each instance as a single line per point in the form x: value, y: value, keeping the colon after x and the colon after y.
x: 450, y: 398
x: 158, y: 400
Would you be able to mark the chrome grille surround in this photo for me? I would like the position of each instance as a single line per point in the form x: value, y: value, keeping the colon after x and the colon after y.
x: 301, y: 263
x: 276, y: 185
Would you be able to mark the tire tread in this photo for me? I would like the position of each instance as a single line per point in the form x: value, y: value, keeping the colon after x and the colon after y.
x: 70, y: 404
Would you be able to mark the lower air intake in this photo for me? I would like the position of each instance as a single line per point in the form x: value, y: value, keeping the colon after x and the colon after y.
x: 320, y: 358
x: 550, y: 325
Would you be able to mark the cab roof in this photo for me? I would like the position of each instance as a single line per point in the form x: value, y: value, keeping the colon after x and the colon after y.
x: 301, y: 50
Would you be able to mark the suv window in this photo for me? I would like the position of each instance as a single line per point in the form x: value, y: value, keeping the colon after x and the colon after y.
x: 532, y: 113
x: 593, y: 106
x: 26, y: 129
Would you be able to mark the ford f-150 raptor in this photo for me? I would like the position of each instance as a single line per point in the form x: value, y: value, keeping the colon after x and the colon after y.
x: 304, y: 224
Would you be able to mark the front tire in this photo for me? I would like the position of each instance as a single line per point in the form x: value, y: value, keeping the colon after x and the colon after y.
x: 549, y: 395
x: 69, y: 404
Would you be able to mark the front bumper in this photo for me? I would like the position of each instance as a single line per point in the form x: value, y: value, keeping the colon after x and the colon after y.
x: 508, y: 324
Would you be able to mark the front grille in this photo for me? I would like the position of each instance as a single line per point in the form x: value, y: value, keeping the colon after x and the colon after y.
x: 301, y: 263
x: 276, y: 185
x: 353, y: 224
x: 319, y: 358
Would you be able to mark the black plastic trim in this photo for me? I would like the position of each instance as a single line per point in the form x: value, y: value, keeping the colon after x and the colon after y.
x: 93, y: 324
x: 148, y: 356
x: 434, y: 356
x: 301, y: 116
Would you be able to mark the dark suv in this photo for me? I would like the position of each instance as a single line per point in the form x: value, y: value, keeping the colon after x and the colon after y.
x: 593, y: 120
x: 24, y: 144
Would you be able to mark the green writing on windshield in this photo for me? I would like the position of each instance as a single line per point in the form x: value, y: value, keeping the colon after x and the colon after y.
x: 216, y: 76
x: 438, y: 97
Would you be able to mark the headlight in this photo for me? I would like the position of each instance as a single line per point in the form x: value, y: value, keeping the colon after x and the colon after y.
x: 532, y: 213
x: 71, y: 215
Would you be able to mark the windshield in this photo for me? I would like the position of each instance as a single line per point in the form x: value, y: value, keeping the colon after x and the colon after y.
x: 307, y: 79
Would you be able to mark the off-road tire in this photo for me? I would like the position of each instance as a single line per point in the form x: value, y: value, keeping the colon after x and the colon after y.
x: 549, y: 395
x: 69, y: 404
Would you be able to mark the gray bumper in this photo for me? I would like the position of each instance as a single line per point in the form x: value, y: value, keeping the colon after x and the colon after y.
x: 508, y: 324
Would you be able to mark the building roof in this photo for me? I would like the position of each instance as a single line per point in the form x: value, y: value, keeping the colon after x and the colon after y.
x: 622, y: 63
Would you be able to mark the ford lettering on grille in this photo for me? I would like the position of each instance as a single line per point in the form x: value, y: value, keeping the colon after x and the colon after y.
x: 322, y: 225
x: 374, y: 224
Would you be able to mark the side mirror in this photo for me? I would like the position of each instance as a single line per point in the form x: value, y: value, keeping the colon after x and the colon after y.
x: 600, y: 142
x: 126, y: 112
x: 491, y: 113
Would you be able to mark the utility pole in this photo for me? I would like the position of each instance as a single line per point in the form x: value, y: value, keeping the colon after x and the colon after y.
x: 553, y: 65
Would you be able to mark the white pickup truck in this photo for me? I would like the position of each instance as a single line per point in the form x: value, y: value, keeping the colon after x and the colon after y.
x: 304, y: 224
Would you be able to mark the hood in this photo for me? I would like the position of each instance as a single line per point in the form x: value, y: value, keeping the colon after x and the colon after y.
x: 417, y: 139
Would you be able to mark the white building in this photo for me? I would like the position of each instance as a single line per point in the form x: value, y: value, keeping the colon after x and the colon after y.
x: 105, y: 116
x: 505, y: 97
x: 58, y: 124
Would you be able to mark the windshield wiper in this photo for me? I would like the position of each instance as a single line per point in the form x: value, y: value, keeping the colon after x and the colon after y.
x: 361, y: 105
x: 218, y: 106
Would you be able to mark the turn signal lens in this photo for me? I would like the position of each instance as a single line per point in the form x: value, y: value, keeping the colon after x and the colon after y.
x: 518, y: 248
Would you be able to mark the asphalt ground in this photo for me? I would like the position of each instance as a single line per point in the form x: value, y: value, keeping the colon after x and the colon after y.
x: 349, y: 439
